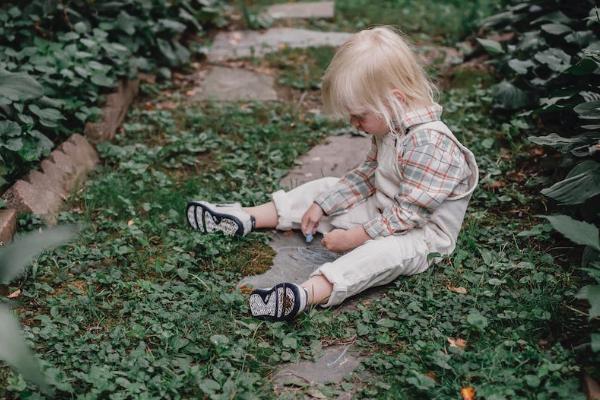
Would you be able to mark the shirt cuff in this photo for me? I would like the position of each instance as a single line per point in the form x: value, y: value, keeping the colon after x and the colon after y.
x: 377, y: 227
x: 324, y: 200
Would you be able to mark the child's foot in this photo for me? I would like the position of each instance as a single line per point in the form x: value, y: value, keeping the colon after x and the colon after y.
x: 282, y: 302
x: 230, y: 219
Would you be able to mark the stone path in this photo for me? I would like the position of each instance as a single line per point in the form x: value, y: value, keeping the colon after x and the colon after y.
x: 295, y: 259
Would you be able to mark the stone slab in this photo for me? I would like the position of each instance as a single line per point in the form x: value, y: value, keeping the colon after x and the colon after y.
x: 336, y: 363
x: 239, y: 44
x: 294, y: 262
x: 319, y: 9
x: 236, y: 84
x: 335, y: 157
x: 8, y: 225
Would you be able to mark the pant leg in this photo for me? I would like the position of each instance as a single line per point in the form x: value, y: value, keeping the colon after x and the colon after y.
x: 375, y: 263
x: 292, y: 205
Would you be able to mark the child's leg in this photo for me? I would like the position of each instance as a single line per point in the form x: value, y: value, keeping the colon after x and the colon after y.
x: 265, y: 215
x: 375, y: 263
x: 318, y: 289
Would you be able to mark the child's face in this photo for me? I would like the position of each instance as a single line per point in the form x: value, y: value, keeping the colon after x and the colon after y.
x: 369, y: 122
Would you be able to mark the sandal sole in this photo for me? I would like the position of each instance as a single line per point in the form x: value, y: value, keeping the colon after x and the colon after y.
x: 213, y: 221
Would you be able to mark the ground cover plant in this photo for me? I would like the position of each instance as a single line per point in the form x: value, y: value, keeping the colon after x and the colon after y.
x: 141, y: 307
x: 57, y: 59
x: 550, y: 73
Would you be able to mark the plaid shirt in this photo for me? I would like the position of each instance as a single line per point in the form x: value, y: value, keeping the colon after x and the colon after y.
x: 432, y: 167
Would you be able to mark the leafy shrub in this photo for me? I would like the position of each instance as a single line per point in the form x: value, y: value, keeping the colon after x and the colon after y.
x: 57, y: 58
x: 551, y: 72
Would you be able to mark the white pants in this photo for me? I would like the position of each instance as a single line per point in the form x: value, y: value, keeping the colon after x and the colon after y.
x: 375, y: 263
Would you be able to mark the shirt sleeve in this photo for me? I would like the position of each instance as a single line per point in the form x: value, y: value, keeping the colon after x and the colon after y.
x: 353, y: 187
x: 429, y: 172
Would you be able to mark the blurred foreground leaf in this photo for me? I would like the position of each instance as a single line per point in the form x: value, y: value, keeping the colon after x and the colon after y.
x: 15, y: 257
x: 15, y: 352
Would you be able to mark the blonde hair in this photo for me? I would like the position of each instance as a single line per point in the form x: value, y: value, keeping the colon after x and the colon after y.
x: 367, y: 69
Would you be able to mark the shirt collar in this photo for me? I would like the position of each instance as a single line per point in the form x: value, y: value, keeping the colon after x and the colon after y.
x: 419, y: 116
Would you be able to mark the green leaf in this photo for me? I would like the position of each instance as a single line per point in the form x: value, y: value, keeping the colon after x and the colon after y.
x: 420, y: 381
x: 9, y: 129
x: 560, y: 143
x: 555, y: 29
x: 16, y: 256
x: 508, y: 96
x: 588, y: 110
x: 19, y: 86
x: 582, y: 183
x: 491, y: 46
x: 576, y: 231
x: 555, y: 59
x: 591, y: 293
x: 477, y: 320
x: 290, y: 342
x: 49, y: 114
x: 167, y: 51
x: 595, y: 342
x: 15, y: 352
x: 101, y: 79
x: 13, y: 144
x: 520, y: 67
x: 172, y: 25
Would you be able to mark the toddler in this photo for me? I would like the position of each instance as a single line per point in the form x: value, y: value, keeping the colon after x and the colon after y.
x: 407, y: 199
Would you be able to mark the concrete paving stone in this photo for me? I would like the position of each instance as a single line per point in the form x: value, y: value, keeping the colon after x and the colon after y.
x: 79, y: 149
x: 25, y: 197
x: 41, y: 180
x: 235, y: 84
x: 319, y: 9
x: 295, y: 260
x: 335, y: 157
x: 336, y: 363
x: 8, y: 225
x: 239, y: 44
x: 71, y: 175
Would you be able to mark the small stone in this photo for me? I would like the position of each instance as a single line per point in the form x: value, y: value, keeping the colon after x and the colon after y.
x: 8, y: 225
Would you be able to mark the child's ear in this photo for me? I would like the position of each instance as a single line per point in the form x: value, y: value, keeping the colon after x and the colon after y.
x: 399, y: 95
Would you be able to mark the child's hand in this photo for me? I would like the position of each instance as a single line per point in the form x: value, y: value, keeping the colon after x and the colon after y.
x: 340, y: 240
x: 310, y: 219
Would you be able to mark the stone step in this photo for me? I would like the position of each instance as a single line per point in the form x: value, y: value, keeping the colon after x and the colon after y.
x: 240, y: 44
x: 318, y: 9
x: 236, y: 84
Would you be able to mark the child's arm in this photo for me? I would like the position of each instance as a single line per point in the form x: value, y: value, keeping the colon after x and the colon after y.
x: 431, y: 167
x: 353, y: 187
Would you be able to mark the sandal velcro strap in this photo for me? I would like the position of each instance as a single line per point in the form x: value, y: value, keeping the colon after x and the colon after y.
x: 282, y: 302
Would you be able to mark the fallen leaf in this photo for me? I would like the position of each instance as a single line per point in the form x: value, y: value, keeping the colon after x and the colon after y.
x: 15, y: 294
x: 167, y: 105
x: 496, y: 185
x: 457, y: 342
x: 432, y: 375
x: 467, y: 393
x: 537, y: 151
x: 130, y: 222
x: 460, y: 290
